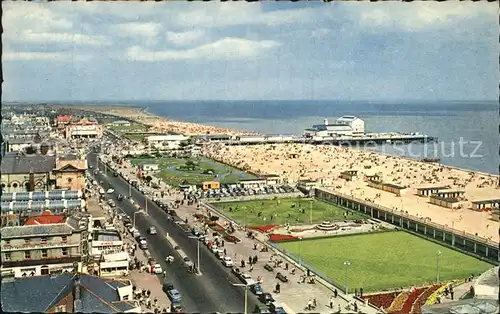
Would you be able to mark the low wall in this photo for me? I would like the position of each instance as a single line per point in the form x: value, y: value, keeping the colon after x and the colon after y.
x: 461, y: 241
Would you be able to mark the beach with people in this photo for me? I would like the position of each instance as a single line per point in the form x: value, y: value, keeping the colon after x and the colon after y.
x: 324, y: 164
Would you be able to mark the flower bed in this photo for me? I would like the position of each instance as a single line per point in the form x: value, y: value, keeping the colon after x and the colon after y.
x: 302, y: 230
x: 398, y: 303
x: 217, y: 227
x: 264, y: 228
x: 281, y: 237
x: 433, y: 297
x: 200, y: 216
x: 417, y: 305
x: 382, y: 299
x: 231, y: 238
x: 412, y: 297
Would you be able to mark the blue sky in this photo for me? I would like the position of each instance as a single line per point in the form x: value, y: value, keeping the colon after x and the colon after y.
x: 250, y: 51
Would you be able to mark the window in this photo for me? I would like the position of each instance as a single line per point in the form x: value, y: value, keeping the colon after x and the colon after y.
x: 7, y: 256
x: 27, y: 254
x: 43, y: 239
x: 7, y: 242
x: 44, y: 254
x: 14, y: 185
x: 27, y: 241
x: 64, y: 251
x: 69, y: 180
x: 64, y: 238
x: 60, y: 309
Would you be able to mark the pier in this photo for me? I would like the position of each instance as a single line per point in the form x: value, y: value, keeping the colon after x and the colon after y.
x: 365, y: 140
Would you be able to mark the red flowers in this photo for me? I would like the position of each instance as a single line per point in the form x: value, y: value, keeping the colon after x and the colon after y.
x: 381, y: 300
x: 281, y: 237
x: 264, y: 228
x: 412, y: 297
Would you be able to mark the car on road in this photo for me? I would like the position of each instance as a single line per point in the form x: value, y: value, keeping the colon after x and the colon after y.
x: 110, y: 191
x: 236, y: 271
x: 115, y: 174
x: 176, y: 307
x: 276, y: 308
x: 111, y: 203
x: 261, y: 309
x: 220, y: 254
x: 152, y: 230
x: 167, y: 286
x: 257, y: 289
x: 174, y: 295
x: 266, y: 298
x: 188, y: 262
x: 247, y: 279
x: 227, y: 261
x: 214, y: 248
x: 120, y: 197
x: 157, y: 269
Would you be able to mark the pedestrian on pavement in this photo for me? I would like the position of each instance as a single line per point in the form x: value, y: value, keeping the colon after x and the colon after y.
x: 335, y: 293
x: 225, y: 252
x: 315, y: 303
x: 250, y: 260
x: 309, y: 305
x: 251, y: 267
x: 331, y: 302
x: 277, y: 288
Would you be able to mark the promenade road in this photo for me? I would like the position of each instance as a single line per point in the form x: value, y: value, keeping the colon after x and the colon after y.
x: 211, y: 292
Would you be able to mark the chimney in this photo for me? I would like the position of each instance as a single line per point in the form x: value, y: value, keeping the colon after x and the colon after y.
x: 31, y: 180
x: 325, y: 121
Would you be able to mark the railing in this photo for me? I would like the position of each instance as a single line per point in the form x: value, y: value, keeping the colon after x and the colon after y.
x: 41, y: 246
x: 414, y: 218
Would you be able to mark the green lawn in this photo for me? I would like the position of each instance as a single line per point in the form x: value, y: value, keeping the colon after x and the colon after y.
x: 172, y: 174
x: 136, y: 137
x: 384, y: 260
x: 286, y: 210
x: 134, y: 127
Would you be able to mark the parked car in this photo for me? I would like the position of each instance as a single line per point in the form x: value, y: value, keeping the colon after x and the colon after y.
x: 261, y: 309
x: 227, y: 261
x: 276, y: 308
x: 266, y: 298
x: 152, y: 230
x: 120, y: 197
x: 110, y: 191
x: 236, y: 271
x: 176, y: 307
x: 257, y: 289
x: 247, y: 279
x: 167, y: 286
x: 174, y: 295
x: 157, y: 269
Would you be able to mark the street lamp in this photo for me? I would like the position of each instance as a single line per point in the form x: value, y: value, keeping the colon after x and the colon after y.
x: 246, y: 294
x: 347, y: 264
x: 437, y: 260
x: 134, y: 217
x: 310, y: 211
x: 198, y: 250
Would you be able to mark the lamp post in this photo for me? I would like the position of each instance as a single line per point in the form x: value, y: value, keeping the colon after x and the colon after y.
x: 198, y: 250
x: 246, y: 294
x: 97, y: 161
x: 437, y: 262
x: 347, y: 264
x: 134, y: 217
x: 129, y: 190
x: 300, y: 251
x: 310, y: 211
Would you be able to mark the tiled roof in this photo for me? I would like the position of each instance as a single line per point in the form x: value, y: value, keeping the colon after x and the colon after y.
x: 45, y: 219
x: 39, y: 294
x: 18, y: 163
x: 40, y: 230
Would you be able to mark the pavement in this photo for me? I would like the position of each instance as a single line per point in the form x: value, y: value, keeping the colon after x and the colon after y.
x: 211, y: 292
x: 294, y: 296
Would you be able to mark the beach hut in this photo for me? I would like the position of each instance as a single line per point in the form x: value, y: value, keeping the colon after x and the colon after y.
x: 271, y: 179
x: 428, y: 191
x: 349, y: 175
x: 388, y: 187
x: 483, y: 205
x: 447, y: 202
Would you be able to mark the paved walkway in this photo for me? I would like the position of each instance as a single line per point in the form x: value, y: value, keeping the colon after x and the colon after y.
x: 294, y: 295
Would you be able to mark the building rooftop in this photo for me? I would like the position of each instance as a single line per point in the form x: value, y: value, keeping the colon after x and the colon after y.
x: 45, y: 220
x: 71, y: 225
x: 41, y: 293
x: 16, y: 163
x: 433, y: 188
x: 106, y: 236
x: 496, y: 201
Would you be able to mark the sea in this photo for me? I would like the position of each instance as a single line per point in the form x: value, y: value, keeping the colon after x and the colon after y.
x: 468, y: 132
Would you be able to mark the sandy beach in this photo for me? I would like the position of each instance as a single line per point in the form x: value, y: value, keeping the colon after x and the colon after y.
x: 325, y: 163
x: 164, y: 125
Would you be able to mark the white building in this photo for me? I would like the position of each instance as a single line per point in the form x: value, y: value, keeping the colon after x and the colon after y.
x: 344, y: 126
x: 150, y: 167
x: 105, y: 242
x: 166, y: 142
x: 114, y: 264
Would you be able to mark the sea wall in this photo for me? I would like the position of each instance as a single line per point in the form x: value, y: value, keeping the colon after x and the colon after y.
x: 461, y: 241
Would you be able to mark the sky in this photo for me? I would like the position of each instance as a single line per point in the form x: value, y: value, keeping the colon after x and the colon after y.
x: 74, y: 51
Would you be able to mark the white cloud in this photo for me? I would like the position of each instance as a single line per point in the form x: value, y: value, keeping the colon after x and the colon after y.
x: 216, y: 15
x: 24, y: 15
x: 36, y: 56
x: 185, y: 38
x: 142, y: 30
x: 227, y: 48
x: 417, y: 16
x: 63, y: 38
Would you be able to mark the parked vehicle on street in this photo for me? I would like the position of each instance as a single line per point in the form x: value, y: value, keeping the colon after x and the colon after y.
x: 152, y: 230
x: 257, y: 289
x: 227, y: 261
x: 174, y: 295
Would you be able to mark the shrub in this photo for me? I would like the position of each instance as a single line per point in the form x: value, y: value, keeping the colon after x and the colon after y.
x: 281, y: 237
